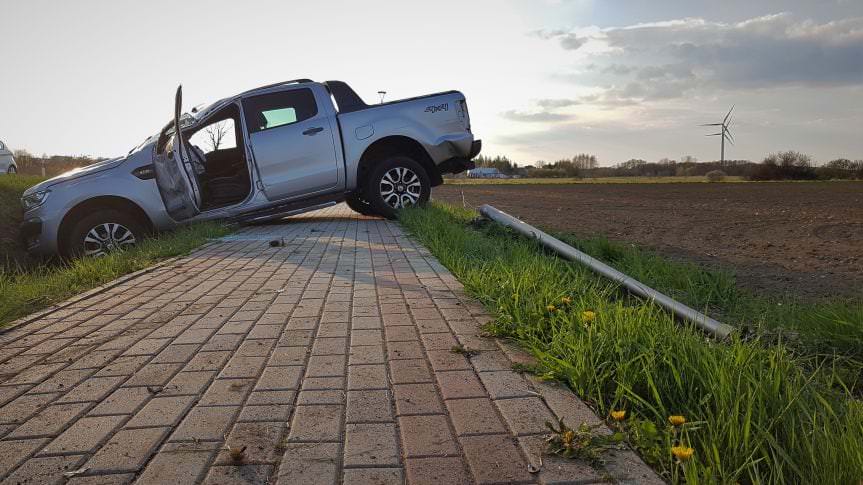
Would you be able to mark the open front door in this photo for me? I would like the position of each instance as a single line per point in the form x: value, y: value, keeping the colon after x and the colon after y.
x: 175, y: 172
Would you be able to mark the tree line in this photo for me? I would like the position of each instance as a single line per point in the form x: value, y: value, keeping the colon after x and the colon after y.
x: 787, y: 165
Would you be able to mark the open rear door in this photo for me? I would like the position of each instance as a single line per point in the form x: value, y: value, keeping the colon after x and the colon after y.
x: 175, y: 173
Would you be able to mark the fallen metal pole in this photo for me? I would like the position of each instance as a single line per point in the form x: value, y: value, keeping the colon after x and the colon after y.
x: 680, y: 310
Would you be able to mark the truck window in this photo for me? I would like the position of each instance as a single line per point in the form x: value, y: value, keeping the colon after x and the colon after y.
x: 279, y: 109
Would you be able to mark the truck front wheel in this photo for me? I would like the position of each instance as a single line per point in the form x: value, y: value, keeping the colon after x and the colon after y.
x: 102, y: 232
x: 396, y: 183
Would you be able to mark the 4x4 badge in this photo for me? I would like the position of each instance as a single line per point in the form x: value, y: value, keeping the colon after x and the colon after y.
x: 435, y: 108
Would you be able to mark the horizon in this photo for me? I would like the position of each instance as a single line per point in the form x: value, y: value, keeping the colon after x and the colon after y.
x: 544, y: 81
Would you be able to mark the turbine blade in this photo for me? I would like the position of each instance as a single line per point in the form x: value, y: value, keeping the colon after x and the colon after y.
x: 714, y: 134
x: 712, y: 124
x: 729, y: 114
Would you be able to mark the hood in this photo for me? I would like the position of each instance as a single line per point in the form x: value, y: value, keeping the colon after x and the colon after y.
x: 80, y: 172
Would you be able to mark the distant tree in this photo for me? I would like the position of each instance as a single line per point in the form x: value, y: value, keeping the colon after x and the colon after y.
x: 216, y: 133
x: 585, y: 161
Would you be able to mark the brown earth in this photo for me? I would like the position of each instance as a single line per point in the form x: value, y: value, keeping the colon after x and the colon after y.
x: 801, y: 238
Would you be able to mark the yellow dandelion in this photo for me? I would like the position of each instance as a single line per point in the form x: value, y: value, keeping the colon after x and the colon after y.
x: 551, y: 308
x: 567, y: 438
x: 676, y: 420
x: 588, y: 316
x: 682, y: 453
x: 566, y: 300
x: 618, y: 415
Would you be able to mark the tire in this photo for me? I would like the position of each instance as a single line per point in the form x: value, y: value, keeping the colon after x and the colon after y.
x: 11, y: 170
x: 395, y: 183
x: 91, y: 236
x: 358, y: 204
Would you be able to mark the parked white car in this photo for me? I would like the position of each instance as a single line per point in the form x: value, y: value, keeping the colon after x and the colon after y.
x: 267, y: 153
x: 7, y: 161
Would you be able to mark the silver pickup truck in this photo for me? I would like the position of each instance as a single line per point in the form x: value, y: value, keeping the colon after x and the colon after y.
x: 263, y: 154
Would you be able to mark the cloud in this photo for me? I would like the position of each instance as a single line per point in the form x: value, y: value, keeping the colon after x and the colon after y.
x: 568, y: 40
x: 549, y: 104
x: 535, y: 117
x: 674, y: 58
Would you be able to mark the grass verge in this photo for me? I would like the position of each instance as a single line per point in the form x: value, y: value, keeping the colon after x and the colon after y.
x: 25, y: 291
x: 761, y: 409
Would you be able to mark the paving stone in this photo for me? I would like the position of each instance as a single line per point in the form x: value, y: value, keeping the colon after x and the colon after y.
x: 504, y: 384
x: 176, y: 466
x: 317, y: 423
x: 474, y: 416
x: 259, y: 398
x: 334, y: 396
x: 438, y: 341
x: 371, y: 444
x: 525, y: 415
x: 370, y: 376
x: 556, y: 469
x: 205, y: 423
x: 176, y: 354
x: 127, y: 450
x: 442, y: 360
x: 153, y: 375
x: 369, y: 406
x: 270, y: 412
x: 23, y: 407
x: 279, y: 378
x: 161, y: 411
x: 283, y: 356
x: 125, y: 400
x: 426, y: 436
x: 113, y: 479
x: 208, y: 361
x: 84, y: 436
x: 494, y: 459
x: 326, y: 366
x: 239, y: 475
x: 410, y: 371
x: 437, y: 470
x: 263, y: 443
x: 417, y: 399
x: 366, y: 354
x: 50, y: 421
x: 240, y: 366
x: 188, y: 383
x: 309, y: 464
x: 227, y: 392
x: 373, y: 476
x: 459, y: 384
x: 45, y: 470
x: 13, y: 452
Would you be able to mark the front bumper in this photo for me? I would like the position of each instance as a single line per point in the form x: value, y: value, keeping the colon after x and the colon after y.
x: 30, y: 234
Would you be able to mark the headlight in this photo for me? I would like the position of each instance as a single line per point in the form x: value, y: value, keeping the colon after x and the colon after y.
x: 35, y: 199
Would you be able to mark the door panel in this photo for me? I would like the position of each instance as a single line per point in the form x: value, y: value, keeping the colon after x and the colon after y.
x: 175, y: 173
x: 292, y: 144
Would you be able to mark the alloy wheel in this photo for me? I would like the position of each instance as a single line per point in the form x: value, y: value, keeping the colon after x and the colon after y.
x: 107, y: 237
x: 400, y: 187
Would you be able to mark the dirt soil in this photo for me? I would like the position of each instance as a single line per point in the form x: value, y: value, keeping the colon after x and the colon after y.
x: 805, y: 239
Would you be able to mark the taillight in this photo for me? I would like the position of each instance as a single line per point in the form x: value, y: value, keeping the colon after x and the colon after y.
x: 463, y: 114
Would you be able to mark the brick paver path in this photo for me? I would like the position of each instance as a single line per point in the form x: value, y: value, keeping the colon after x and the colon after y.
x: 325, y: 360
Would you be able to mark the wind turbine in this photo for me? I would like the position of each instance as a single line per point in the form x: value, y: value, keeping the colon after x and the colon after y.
x: 724, y: 132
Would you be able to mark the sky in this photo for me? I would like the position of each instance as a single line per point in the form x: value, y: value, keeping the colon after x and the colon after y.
x: 544, y: 79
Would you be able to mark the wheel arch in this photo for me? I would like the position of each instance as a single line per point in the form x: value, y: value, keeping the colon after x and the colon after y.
x: 100, y: 203
x: 396, y: 145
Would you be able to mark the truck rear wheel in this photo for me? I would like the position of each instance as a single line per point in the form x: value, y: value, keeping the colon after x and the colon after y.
x: 396, y: 183
x: 358, y: 204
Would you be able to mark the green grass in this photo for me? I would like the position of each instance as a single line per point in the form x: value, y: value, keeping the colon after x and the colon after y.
x: 596, y: 180
x: 773, y: 404
x: 25, y: 291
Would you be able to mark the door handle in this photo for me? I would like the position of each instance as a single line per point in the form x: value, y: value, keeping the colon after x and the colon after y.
x: 313, y: 131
